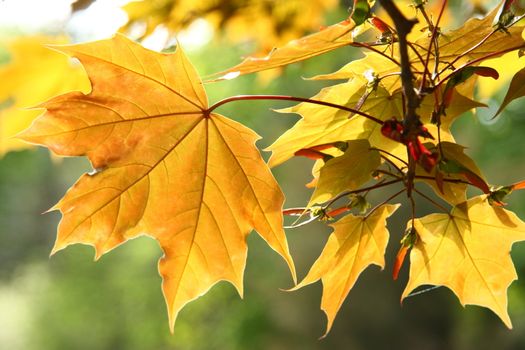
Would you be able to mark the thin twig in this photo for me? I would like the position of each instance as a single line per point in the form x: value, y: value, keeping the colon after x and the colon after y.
x: 364, y: 189
x: 371, y: 48
x: 412, y: 46
x: 403, y: 27
x: 385, y: 172
x: 290, y: 98
x: 479, y: 59
x: 445, y: 210
x: 383, y: 203
x: 432, y: 41
x: 389, y: 161
x: 463, y: 54
x: 412, y: 99
x: 459, y: 181
x: 388, y: 153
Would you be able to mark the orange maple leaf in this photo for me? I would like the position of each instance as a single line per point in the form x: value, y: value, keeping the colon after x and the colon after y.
x: 165, y: 167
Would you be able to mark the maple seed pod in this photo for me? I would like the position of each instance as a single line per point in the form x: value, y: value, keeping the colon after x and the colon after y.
x: 380, y: 25
x: 407, y: 242
x: 393, y: 129
x: 337, y: 211
x: 400, y: 258
x: 313, y: 154
x: 497, y: 195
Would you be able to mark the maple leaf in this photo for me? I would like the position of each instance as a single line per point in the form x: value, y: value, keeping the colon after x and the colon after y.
x: 474, y: 42
x: 165, y: 167
x: 328, y: 39
x: 468, y: 252
x: 466, y: 38
x: 346, y: 172
x: 356, y: 243
x: 34, y: 74
x: 371, y: 64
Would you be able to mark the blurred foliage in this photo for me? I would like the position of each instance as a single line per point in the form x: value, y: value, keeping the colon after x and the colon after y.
x: 31, y: 74
x: 69, y: 302
x: 268, y: 22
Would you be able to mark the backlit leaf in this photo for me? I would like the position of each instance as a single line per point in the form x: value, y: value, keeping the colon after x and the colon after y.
x: 456, y: 42
x: 346, y: 172
x: 164, y: 167
x: 356, y: 243
x: 327, y: 39
x: 468, y: 252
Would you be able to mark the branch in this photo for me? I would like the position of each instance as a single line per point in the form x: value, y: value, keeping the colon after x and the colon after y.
x: 412, y: 99
x: 403, y: 27
x: 291, y: 98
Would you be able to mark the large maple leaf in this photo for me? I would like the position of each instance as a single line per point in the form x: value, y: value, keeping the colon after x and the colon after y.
x: 164, y: 166
x: 356, y: 243
x: 468, y: 252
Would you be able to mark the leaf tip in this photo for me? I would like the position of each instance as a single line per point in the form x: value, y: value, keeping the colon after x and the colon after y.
x: 291, y: 266
x: 98, y: 254
x: 329, y: 323
x: 56, y: 248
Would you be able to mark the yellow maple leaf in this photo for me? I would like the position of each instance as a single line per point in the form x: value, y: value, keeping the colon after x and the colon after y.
x: 34, y: 74
x: 346, y: 172
x: 356, y: 243
x: 328, y: 39
x: 468, y: 252
x: 476, y: 39
x: 165, y: 167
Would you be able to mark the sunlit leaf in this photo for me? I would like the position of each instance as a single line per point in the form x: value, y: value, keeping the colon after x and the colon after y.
x: 468, y: 252
x: 454, y: 43
x: 326, y: 40
x: 164, y: 167
x: 356, y: 243
x: 346, y: 172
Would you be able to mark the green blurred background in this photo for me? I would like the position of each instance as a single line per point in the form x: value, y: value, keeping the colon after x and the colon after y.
x: 70, y: 302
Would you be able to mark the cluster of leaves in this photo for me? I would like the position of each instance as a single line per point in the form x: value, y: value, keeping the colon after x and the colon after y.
x: 168, y: 166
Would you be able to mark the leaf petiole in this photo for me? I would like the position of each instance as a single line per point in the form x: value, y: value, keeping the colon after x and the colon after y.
x: 290, y: 98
